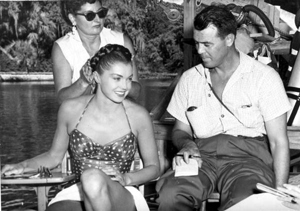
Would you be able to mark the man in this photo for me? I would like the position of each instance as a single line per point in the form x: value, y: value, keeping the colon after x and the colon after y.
x: 230, y: 116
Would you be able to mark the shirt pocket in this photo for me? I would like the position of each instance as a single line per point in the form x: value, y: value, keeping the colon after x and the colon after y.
x: 202, y: 121
x: 248, y: 114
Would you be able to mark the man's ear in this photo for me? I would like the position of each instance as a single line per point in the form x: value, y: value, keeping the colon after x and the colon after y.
x: 230, y: 39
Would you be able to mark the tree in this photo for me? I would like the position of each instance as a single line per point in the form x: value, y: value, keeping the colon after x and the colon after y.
x: 28, y: 32
x: 35, y: 25
x: 148, y: 26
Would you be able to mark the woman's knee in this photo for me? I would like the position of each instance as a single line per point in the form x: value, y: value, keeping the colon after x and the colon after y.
x: 93, y: 181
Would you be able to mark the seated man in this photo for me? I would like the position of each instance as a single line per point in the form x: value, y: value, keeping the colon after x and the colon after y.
x: 231, y: 112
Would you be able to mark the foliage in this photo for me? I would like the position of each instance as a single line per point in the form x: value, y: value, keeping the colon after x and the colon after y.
x: 29, y: 28
x: 157, y: 40
x: 7, y: 65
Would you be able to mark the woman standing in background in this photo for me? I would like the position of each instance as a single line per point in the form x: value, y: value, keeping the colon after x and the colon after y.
x: 71, y: 53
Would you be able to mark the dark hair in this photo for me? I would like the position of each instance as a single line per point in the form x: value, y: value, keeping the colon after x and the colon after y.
x: 72, y: 6
x: 109, y: 55
x: 218, y: 16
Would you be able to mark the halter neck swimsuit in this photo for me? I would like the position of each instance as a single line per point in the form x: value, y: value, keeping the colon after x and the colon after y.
x: 85, y: 153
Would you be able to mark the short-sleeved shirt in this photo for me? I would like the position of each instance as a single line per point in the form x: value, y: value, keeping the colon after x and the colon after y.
x: 75, y: 53
x: 254, y: 94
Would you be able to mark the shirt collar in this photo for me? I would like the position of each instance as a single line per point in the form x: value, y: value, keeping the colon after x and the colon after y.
x: 76, y: 36
x: 245, y: 63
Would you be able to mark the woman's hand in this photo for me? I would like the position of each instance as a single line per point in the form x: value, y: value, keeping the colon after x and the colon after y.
x: 294, y: 191
x: 115, y: 175
x: 121, y: 178
x: 10, y: 169
x: 86, y: 73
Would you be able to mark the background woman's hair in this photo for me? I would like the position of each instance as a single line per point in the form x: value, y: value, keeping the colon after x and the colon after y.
x: 109, y: 55
x: 72, y: 6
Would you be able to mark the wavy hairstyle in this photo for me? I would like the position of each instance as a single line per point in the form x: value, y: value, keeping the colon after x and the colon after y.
x: 72, y: 6
x: 218, y: 16
x: 109, y: 55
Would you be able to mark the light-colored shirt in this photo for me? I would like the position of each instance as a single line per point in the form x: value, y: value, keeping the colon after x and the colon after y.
x: 75, y: 53
x: 254, y: 94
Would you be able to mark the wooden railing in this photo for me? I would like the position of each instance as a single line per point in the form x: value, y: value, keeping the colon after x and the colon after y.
x: 294, y: 137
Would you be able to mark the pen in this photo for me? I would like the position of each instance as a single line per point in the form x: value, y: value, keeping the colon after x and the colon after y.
x: 293, y: 200
x: 275, y: 192
x: 190, y: 156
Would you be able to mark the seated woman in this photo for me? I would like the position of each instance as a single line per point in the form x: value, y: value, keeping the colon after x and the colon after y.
x: 102, y: 133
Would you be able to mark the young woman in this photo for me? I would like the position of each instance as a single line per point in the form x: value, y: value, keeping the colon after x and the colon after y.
x: 70, y: 53
x: 102, y: 133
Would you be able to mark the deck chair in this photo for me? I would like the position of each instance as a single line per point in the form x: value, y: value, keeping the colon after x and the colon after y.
x: 166, y: 151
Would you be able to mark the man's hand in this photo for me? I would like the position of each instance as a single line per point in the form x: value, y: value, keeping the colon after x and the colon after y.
x: 294, y: 191
x: 183, y: 141
x: 189, y: 151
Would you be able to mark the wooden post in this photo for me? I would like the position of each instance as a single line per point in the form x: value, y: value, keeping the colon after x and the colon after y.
x: 158, y: 111
x: 189, y: 14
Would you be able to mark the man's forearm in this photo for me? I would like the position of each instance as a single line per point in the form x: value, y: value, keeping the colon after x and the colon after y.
x: 281, y: 165
x: 182, y: 139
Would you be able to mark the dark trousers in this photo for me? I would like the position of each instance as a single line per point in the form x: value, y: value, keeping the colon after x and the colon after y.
x: 231, y: 165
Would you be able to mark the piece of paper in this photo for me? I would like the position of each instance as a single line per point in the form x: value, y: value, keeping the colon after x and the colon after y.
x: 20, y: 176
x: 190, y: 169
x: 260, y: 202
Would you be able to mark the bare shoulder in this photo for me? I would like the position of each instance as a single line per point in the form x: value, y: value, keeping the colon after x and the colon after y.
x: 136, y: 112
x: 133, y: 108
x: 73, y: 107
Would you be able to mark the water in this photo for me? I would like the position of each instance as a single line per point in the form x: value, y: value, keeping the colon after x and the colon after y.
x: 28, y: 113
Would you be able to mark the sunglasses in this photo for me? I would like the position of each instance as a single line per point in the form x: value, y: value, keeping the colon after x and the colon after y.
x: 89, y: 16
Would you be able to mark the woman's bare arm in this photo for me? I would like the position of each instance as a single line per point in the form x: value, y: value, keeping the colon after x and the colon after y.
x: 62, y: 74
x: 53, y: 156
x: 143, y: 127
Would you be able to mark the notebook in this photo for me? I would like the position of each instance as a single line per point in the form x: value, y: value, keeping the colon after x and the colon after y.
x: 187, y: 169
